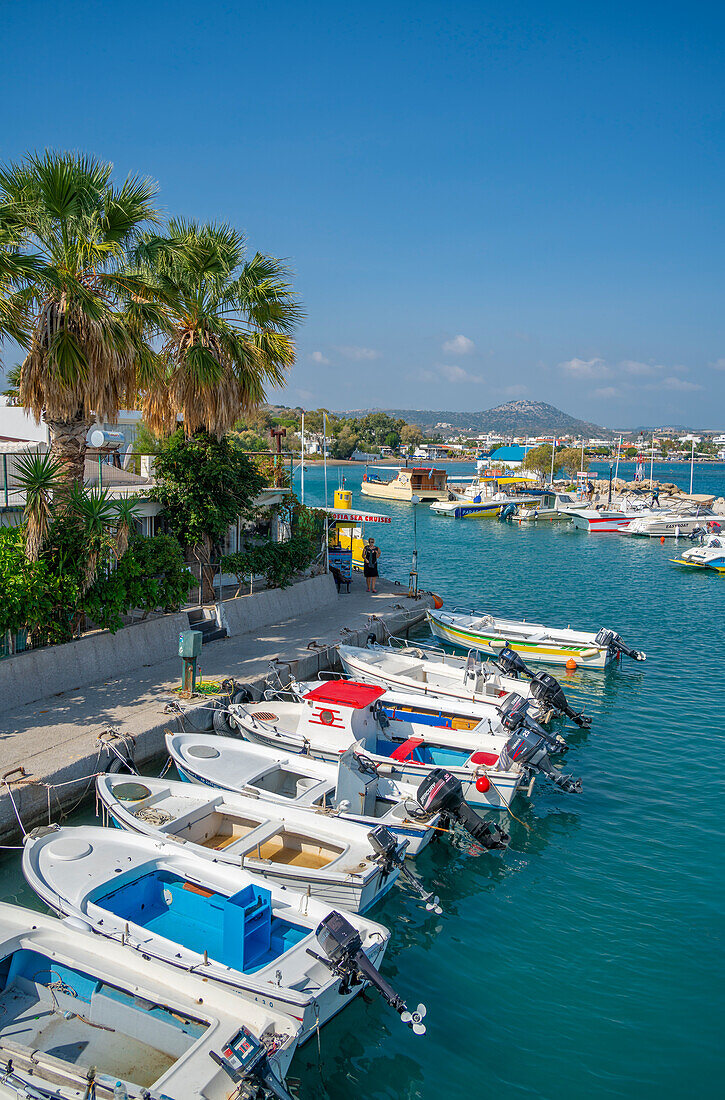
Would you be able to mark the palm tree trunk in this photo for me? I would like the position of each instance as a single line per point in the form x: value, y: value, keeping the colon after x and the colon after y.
x: 68, y: 446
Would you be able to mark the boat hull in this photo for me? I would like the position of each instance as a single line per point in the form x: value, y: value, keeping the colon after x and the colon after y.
x: 387, y: 491
x: 503, y: 785
x: 547, y: 652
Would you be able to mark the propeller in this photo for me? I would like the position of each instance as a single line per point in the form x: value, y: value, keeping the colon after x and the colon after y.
x: 433, y: 905
x: 415, y: 1019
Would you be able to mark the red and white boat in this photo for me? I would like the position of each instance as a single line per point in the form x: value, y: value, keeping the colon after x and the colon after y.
x: 594, y: 519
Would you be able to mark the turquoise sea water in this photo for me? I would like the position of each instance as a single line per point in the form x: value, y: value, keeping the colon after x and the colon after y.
x: 587, y: 960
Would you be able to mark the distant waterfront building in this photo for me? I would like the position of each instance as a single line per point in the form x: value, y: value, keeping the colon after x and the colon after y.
x: 512, y: 456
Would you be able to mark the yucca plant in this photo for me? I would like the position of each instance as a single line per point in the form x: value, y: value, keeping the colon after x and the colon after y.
x: 68, y: 296
x: 225, y: 322
x: 38, y: 476
x: 126, y: 512
x: 95, y: 511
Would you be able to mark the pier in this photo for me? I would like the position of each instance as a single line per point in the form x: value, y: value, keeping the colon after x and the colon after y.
x: 57, y: 739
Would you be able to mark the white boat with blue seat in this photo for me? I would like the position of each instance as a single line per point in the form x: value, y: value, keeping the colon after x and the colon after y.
x: 345, y: 791
x: 202, y: 917
x: 80, y: 1016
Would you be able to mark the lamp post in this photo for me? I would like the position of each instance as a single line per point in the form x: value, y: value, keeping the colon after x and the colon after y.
x: 413, y: 579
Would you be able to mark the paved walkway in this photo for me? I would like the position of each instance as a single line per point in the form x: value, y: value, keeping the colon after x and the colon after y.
x: 55, y: 741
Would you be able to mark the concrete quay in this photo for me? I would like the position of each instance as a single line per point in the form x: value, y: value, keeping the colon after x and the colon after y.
x: 53, y: 737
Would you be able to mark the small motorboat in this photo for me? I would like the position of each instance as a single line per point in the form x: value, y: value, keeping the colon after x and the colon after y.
x: 687, y: 519
x: 204, y: 918
x: 534, y: 641
x: 81, y: 1016
x: 709, y: 553
x: 549, y: 507
x: 280, y: 774
x: 329, y: 859
x: 348, y: 791
x: 339, y: 713
x: 457, y: 683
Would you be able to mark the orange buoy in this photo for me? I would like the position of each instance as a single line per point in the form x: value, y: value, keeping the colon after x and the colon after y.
x: 571, y: 664
x: 437, y: 601
x: 483, y: 784
x: 662, y: 539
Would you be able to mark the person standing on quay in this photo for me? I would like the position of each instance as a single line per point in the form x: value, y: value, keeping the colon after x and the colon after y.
x: 371, y: 553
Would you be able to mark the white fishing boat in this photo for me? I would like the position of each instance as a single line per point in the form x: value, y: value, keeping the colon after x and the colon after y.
x: 81, y: 1016
x: 339, y: 713
x: 455, y: 684
x: 549, y: 507
x: 709, y: 553
x: 406, y: 483
x: 342, y: 791
x: 682, y: 521
x: 534, y: 641
x: 201, y: 917
x: 329, y: 859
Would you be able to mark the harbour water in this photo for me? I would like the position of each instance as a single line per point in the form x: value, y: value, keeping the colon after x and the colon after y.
x: 587, y: 960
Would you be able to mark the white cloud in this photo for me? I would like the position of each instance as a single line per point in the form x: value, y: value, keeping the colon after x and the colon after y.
x: 514, y: 391
x: 584, y: 368
x: 318, y: 357
x: 350, y: 351
x: 459, y: 345
x: 680, y: 384
x: 607, y: 391
x: 633, y: 366
x: 719, y: 364
x: 458, y: 374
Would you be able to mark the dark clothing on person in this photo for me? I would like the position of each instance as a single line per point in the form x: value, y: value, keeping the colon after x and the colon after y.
x: 370, y: 561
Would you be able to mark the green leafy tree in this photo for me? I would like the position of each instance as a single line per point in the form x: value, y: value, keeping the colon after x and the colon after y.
x: 570, y: 460
x: 204, y: 484
x: 65, y: 292
x: 37, y: 476
x: 344, y: 442
x: 538, y: 459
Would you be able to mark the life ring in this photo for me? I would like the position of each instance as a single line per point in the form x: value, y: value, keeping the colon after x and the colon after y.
x: 437, y: 601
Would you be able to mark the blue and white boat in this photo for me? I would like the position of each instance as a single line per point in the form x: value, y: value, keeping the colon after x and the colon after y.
x: 81, y: 1016
x: 200, y: 916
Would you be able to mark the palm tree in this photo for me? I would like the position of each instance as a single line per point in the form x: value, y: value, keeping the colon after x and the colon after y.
x: 65, y: 294
x: 226, y: 324
x: 38, y: 476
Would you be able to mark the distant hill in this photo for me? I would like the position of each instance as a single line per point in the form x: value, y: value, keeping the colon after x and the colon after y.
x: 511, y: 418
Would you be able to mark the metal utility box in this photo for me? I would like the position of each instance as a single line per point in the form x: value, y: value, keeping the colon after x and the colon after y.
x: 190, y: 643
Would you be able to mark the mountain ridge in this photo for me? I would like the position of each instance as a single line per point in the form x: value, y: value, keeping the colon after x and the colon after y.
x: 520, y: 417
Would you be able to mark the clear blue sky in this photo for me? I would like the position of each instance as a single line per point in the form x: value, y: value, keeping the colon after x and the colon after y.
x: 481, y: 200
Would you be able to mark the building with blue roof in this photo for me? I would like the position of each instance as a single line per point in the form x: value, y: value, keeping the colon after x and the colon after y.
x: 512, y: 455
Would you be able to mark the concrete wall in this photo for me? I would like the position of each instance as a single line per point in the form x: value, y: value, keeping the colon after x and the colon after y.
x: 39, y: 673
x: 98, y: 657
x: 276, y: 605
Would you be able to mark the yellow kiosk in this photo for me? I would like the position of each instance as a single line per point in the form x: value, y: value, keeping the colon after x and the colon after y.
x: 346, y: 533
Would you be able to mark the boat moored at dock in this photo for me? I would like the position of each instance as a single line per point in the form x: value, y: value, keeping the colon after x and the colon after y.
x: 468, y: 681
x: 327, y: 858
x: 709, y: 553
x: 166, y: 903
x: 534, y: 641
x: 83, y: 1016
x: 409, y: 482
x: 340, y: 791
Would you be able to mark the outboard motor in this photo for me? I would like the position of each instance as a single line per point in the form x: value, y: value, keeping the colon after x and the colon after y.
x: 512, y: 664
x: 514, y: 715
x: 342, y: 945
x: 441, y: 793
x: 547, y: 689
x: 612, y: 641
x: 530, y: 750
x: 246, y: 1061
x: 389, y: 853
